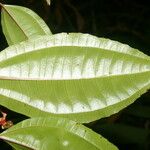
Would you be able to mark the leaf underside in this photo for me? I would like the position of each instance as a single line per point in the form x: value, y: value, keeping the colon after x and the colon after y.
x: 77, y: 76
x: 54, y: 133
x: 20, y: 24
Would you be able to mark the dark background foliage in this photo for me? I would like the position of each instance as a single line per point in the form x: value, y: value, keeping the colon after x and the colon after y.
x: 127, y: 21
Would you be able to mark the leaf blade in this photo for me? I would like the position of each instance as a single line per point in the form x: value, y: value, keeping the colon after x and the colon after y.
x: 85, y: 81
x: 20, y: 23
x: 59, y: 133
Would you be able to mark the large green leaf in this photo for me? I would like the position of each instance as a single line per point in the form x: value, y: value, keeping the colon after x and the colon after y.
x: 77, y: 76
x: 54, y: 133
x: 20, y: 23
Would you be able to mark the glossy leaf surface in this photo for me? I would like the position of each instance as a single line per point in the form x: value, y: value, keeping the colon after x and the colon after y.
x: 20, y: 23
x: 54, y: 133
x: 77, y: 76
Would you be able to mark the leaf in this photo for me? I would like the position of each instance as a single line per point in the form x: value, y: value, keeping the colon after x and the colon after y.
x: 54, y: 133
x: 48, y: 2
x: 20, y: 23
x: 77, y: 76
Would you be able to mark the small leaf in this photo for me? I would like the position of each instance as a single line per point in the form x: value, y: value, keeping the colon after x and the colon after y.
x: 55, y: 134
x: 77, y: 76
x: 20, y: 23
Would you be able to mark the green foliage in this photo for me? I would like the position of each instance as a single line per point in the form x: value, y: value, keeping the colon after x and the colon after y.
x: 57, y: 133
x: 20, y: 24
x: 76, y: 76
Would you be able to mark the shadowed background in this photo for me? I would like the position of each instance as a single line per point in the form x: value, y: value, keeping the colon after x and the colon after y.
x: 125, y: 21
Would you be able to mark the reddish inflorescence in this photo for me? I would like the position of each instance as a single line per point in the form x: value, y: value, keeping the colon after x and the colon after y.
x: 4, y: 123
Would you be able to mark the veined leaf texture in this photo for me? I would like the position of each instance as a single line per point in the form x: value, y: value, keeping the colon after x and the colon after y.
x: 20, y: 24
x: 55, y: 133
x: 77, y: 76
